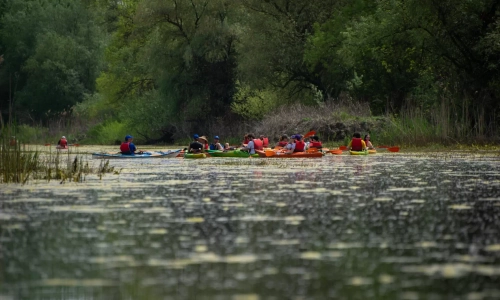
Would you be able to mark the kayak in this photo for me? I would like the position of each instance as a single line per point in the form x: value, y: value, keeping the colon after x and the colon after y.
x: 195, y: 155
x: 230, y: 153
x: 153, y: 154
x: 358, y: 152
x: 372, y: 151
x: 292, y: 155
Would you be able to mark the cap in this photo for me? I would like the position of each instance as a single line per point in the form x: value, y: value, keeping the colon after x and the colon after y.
x: 216, y: 137
x: 63, y: 137
x: 293, y: 136
x: 298, y: 136
x: 196, y: 136
x: 128, y: 137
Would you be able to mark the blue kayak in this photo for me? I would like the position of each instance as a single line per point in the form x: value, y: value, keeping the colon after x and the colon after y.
x: 153, y: 154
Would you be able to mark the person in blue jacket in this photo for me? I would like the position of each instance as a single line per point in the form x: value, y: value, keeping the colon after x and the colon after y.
x: 127, y: 147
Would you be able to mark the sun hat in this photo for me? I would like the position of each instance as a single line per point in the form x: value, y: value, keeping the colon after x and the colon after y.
x: 203, y: 138
x: 216, y: 137
x: 63, y: 137
x: 128, y: 137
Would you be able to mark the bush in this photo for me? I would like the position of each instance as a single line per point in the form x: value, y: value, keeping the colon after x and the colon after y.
x: 108, y: 133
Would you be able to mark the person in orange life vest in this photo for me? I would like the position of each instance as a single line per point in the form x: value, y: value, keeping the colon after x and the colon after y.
x: 216, y: 145
x: 62, y: 143
x: 367, y: 142
x: 283, y: 141
x: 315, y: 143
x: 253, y: 144
x: 127, y: 147
x: 265, y: 141
x: 357, y: 143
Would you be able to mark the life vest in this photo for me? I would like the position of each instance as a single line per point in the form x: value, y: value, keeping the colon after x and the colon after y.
x: 356, y: 144
x: 282, y: 143
x: 206, y: 146
x: 125, y: 147
x: 265, y: 142
x: 299, y: 146
x: 257, y: 144
x: 63, y: 143
x: 245, y: 141
x: 213, y: 147
x: 315, y: 145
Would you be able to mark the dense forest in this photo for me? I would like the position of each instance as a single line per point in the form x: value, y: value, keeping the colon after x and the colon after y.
x: 160, y: 69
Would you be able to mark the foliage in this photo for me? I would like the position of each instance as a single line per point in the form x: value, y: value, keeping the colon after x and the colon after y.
x: 108, y: 133
x: 52, y: 55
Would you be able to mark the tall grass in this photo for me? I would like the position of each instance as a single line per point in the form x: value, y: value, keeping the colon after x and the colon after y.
x: 18, y: 165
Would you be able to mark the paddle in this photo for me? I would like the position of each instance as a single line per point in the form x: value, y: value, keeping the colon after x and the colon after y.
x: 310, y: 133
x: 393, y: 149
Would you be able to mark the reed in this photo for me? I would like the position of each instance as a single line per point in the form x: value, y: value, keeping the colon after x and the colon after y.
x: 18, y: 165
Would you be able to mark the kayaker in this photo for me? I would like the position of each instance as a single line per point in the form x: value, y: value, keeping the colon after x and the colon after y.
x: 357, y: 143
x: 283, y: 141
x: 127, y: 147
x: 300, y: 146
x: 62, y: 143
x: 196, y: 146
x: 203, y: 139
x: 290, y: 146
x: 367, y: 142
x: 253, y: 144
x: 216, y: 145
x: 246, y: 139
x: 315, y: 143
x: 265, y: 141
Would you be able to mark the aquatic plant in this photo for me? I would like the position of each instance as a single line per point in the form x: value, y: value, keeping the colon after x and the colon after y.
x: 16, y: 165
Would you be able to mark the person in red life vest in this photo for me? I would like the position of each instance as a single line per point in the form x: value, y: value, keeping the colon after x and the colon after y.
x: 283, y: 141
x: 127, y: 147
x: 357, y: 143
x: 368, y: 142
x: 246, y: 139
x: 265, y: 141
x: 315, y: 143
x: 62, y: 143
x: 253, y: 144
x: 300, y: 146
x: 203, y: 139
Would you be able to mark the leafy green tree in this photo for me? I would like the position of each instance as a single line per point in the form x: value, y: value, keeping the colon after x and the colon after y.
x: 52, y: 53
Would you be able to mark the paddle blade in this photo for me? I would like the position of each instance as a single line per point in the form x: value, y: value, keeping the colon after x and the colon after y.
x: 343, y: 148
x: 393, y: 149
x: 336, y: 152
x: 310, y: 133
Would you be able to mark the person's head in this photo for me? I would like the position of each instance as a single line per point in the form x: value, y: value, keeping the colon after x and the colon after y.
x: 298, y: 137
x: 262, y: 137
x: 203, y: 140
x: 315, y: 138
x: 216, y: 139
x: 367, y: 137
x: 284, y: 137
x: 251, y: 136
x: 357, y: 135
x: 128, y: 138
x: 63, y: 137
x: 196, y: 137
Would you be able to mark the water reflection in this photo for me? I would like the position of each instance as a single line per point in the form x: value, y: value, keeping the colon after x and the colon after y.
x: 384, y: 226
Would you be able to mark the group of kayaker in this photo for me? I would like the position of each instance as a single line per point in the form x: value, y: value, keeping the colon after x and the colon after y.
x: 294, y: 143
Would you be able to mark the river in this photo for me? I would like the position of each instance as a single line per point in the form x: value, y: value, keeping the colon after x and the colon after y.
x: 384, y: 226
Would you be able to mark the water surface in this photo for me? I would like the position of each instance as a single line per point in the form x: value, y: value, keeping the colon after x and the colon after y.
x: 387, y: 226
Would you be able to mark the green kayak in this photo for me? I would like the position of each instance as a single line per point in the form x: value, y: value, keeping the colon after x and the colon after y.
x: 195, y: 155
x: 230, y: 153
x: 358, y: 152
